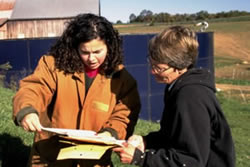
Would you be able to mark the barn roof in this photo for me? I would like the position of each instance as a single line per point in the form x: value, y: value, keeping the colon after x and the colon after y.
x: 46, y: 9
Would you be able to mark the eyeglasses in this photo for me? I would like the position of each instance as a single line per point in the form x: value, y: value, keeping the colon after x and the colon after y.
x: 157, y: 69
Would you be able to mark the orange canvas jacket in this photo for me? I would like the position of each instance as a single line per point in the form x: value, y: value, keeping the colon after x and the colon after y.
x: 61, y: 102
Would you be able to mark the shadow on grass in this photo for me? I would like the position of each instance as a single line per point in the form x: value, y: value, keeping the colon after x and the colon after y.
x: 13, y: 153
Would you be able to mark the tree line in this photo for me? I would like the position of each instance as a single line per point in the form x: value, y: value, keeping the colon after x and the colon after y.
x: 147, y: 16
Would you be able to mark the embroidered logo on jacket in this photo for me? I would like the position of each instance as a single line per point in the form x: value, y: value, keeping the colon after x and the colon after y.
x: 100, y: 106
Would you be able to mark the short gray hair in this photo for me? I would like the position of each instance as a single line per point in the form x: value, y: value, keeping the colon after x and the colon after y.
x: 176, y: 46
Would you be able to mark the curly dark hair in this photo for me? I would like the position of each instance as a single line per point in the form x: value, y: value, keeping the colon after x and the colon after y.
x: 84, y: 28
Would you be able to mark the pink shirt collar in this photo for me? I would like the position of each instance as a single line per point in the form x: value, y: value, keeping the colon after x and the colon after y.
x: 91, y: 73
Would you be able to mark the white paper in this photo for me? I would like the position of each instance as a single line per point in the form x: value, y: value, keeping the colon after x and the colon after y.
x: 84, y: 135
x: 71, y: 132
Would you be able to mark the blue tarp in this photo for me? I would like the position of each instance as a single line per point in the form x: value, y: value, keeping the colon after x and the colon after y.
x: 23, y: 55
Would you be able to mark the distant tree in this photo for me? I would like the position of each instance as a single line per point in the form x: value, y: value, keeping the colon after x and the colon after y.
x: 150, y: 18
x: 132, y: 18
x: 162, y: 17
x: 152, y: 23
x: 220, y: 15
x: 202, y: 15
x: 146, y: 15
x: 118, y: 22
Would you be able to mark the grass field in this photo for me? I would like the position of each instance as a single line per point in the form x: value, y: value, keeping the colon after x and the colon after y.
x: 231, y: 49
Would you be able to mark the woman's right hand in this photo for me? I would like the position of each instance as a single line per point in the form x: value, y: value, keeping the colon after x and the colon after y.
x: 31, y: 123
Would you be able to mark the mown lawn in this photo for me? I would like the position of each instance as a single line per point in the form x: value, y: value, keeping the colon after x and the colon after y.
x: 15, y: 143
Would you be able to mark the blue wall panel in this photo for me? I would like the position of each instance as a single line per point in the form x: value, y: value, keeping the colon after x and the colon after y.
x: 15, y: 52
x: 23, y: 55
x: 206, y: 50
x: 135, y: 49
x: 140, y: 73
x: 156, y: 107
x: 144, y: 114
x: 156, y: 88
x: 39, y: 47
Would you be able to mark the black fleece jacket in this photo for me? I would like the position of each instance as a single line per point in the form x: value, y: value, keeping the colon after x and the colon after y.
x: 194, y: 131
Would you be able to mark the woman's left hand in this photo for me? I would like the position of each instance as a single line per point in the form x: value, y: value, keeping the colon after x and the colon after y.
x: 126, y: 152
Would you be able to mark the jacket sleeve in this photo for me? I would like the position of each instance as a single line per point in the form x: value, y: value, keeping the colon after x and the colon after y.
x: 126, y: 111
x: 188, y: 143
x: 36, y: 90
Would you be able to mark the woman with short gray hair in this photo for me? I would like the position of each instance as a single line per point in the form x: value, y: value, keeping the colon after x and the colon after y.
x: 194, y: 131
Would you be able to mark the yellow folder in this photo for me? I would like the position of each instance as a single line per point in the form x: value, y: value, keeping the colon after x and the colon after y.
x: 83, y: 151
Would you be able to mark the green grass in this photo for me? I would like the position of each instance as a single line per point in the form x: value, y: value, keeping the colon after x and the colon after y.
x: 15, y: 142
x: 238, y: 116
x: 6, y: 124
x: 228, y: 65
x: 232, y: 19
x: 224, y: 61
x: 229, y: 27
x: 232, y: 81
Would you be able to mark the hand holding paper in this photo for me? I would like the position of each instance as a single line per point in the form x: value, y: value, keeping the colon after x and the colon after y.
x: 31, y: 123
x: 127, y: 151
x: 137, y: 141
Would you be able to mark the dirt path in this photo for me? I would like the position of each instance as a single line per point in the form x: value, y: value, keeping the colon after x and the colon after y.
x: 224, y: 87
x: 231, y: 45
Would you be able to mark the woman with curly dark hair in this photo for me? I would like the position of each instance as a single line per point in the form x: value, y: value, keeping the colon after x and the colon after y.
x: 80, y: 84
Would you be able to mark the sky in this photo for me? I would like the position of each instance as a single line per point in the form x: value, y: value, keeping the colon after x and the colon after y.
x: 115, y: 10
